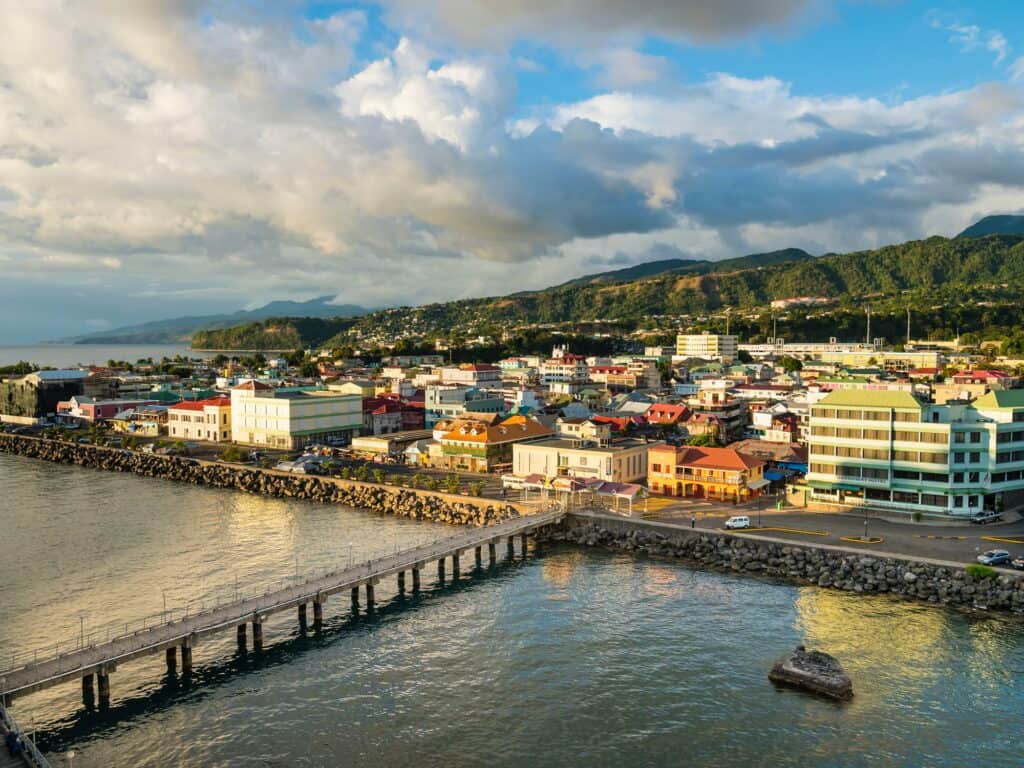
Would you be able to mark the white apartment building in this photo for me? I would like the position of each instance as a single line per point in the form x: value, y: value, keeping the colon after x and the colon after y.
x: 291, y: 418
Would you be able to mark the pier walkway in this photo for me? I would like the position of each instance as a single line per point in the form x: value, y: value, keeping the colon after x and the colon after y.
x: 97, y: 657
x: 30, y: 757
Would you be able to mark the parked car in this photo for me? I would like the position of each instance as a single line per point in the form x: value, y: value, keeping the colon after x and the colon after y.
x: 1018, y: 563
x: 737, y: 521
x: 148, y: 448
x: 994, y: 557
x: 986, y: 517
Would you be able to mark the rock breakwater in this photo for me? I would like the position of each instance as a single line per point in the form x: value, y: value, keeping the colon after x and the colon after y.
x: 825, y: 566
x: 404, y: 502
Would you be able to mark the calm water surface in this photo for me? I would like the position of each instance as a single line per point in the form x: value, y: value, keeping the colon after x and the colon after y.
x: 574, y: 657
x: 66, y: 355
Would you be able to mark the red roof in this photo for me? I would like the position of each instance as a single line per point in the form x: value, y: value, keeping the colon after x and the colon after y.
x: 980, y: 375
x: 711, y: 458
x: 666, y: 413
x: 220, y: 401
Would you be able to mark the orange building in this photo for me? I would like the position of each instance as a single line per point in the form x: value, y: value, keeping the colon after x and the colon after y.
x: 710, y: 473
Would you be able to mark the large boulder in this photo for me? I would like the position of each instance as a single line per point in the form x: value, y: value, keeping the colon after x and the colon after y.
x: 812, y: 671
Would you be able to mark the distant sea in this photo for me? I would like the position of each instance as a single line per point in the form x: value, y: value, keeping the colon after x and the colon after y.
x: 68, y: 355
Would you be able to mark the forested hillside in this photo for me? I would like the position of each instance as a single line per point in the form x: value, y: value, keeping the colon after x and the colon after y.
x: 960, y: 267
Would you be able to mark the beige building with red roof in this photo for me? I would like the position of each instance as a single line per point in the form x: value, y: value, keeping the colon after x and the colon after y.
x: 708, y: 473
x: 208, y: 420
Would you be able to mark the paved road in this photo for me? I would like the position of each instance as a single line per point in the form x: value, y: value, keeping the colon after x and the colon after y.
x: 959, y: 542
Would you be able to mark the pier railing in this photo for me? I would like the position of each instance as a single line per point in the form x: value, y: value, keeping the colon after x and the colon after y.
x: 32, y: 755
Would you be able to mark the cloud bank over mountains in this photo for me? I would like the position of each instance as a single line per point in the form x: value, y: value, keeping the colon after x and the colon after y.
x: 216, y: 153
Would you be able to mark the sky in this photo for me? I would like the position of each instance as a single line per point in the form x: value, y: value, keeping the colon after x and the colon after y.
x: 177, y: 157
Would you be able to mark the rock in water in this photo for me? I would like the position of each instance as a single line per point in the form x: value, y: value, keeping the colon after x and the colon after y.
x: 813, y: 671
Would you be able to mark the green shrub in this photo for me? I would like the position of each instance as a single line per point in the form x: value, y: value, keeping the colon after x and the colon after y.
x: 451, y: 483
x: 917, y: 516
x: 233, y: 453
x: 979, y: 571
x: 477, y: 488
x: 378, y: 476
x: 345, y: 473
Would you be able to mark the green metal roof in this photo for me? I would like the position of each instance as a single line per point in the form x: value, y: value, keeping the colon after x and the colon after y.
x: 871, y: 398
x: 1001, y: 398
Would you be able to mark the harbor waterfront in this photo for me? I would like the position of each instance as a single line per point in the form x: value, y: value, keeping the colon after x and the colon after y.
x: 572, y: 654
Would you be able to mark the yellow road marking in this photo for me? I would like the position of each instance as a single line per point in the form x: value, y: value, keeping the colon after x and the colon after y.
x: 932, y: 536
x: 999, y: 538
x: 787, y: 530
x: 858, y: 540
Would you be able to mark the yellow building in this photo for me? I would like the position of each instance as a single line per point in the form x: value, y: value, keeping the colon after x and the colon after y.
x: 704, y: 473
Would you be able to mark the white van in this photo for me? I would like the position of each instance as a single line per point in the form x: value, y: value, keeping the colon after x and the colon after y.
x: 737, y: 521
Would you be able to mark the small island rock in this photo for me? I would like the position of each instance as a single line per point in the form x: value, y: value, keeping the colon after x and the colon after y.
x: 813, y: 671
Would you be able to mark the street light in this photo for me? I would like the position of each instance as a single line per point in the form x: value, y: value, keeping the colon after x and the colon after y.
x: 865, y: 529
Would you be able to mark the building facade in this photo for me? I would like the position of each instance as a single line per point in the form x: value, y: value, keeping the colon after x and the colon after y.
x: 26, y: 399
x: 622, y: 461
x: 889, y: 450
x: 208, y: 420
x: 707, y: 346
x: 722, y: 474
x: 291, y: 418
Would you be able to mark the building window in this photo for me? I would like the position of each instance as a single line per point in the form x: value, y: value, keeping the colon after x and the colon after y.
x: 958, y: 501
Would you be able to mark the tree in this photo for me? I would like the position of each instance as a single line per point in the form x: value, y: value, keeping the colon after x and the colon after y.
x: 744, y: 357
x: 451, y: 483
x: 378, y: 476
x: 790, y: 364
x: 707, y: 440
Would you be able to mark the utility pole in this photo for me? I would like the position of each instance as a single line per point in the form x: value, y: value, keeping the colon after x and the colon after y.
x: 775, y: 329
x: 908, y: 326
x: 728, y: 310
x: 867, y: 310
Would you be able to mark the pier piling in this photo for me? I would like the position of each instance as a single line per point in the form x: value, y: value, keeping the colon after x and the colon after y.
x: 318, y: 612
x: 440, y: 570
x: 241, y: 638
x: 369, y: 596
x: 172, y: 660
x: 492, y: 552
x: 511, y: 548
x: 523, y: 540
x: 415, y: 579
x: 401, y: 582
x: 479, y: 557
x: 257, y: 634
x: 302, y: 618
x: 186, y: 657
x: 455, y: 565
x: 103, y: 680
x: 88, y: 693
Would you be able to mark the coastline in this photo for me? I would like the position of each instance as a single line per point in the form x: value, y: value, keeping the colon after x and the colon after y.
x: 417, y: 504
x: 938, y: 582
x: 934, y: 581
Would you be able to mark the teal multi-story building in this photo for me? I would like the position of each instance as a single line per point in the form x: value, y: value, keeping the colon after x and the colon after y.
x: 890, y: 450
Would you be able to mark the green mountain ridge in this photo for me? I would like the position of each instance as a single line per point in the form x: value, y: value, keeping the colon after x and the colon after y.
x: 959, y: 266
x: 1003, y: 224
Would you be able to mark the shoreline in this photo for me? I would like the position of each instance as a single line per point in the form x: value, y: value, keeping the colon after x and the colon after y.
x: 926, y: 580
x: 417, y: 504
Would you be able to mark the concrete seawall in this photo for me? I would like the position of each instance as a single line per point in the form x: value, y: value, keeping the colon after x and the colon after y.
x: 405, y: 502
x: 853, y: 570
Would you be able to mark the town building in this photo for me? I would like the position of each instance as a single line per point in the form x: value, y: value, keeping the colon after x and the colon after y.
x: 34, y: 396
x: 707, y: 346
x: 472, y: 375
x: 722, y: 474
x: 478, y: 446
x: 447, y: 401
x: 891, y: 451
x: 620, y: 461
x: 201, y: 420
x: 717, y: 408
x: 292, y: 417
x: 83, y: 408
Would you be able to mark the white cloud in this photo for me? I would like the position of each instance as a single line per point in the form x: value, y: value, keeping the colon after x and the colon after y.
x: 179, y: 146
